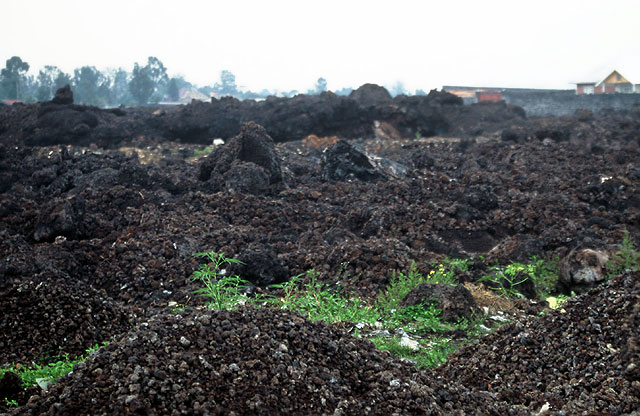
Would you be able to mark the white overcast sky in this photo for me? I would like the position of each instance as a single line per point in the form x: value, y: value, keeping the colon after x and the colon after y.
x: 286, y: 45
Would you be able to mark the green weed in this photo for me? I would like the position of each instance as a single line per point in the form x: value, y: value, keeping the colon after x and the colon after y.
x: 401, y: 284
x: 223, y: 292
x: 318, y: 302
x: 506, y: 279
x: 417, y: 318
x: 544, y: 274
x: 445, y: 271
x: 10, y: 403
x: 556, y: 302
x: 431, y: 353
x: 627, y: 258
x: 51, y: 371
x: 205, y: 151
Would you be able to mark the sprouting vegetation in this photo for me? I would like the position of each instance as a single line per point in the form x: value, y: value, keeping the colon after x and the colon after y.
x: 222, y: 291
x: 318, y: 302
x: 421, y: 324
x: 429, y: 353
x: 201, y: 152
x: 415, y: 332
x: 508, y: 280
x: 48, y: 372
x: 627, y: 258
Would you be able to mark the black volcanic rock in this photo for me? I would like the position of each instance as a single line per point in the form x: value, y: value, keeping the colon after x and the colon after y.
x: 455, y: 302
x: 249, y: 362
x: 63, y: 96
x: 248, y: 163
x: 369, y: 95
x: 344, y: 161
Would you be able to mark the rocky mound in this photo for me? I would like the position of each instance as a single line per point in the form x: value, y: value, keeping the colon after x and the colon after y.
x: 577, y: 360
x: 369, y: 95
x: 581, y: 359
x: 79, y: 218
x: 285, y: 119
x: 42, y: 319
x: 247, y: 164
x: 249, y: 362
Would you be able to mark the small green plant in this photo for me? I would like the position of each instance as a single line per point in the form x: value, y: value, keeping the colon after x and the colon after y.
x: 10, y: 403
x: 205, y: 151
x: 401, y: 284
x: 417, y: 318
x: 556, y: 302
x: 505, y: 280
x: 627, y: 258
x: 431, y: 353
x: 544, y: 274
x: 445, y: 271
x: 318, y: 302
x: 51, y: 371
x: 224, y: 292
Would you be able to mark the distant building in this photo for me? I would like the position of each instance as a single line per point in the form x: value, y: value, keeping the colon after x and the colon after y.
x: 471, y: 95
x: 613, y: 83
x: 492, y: 96
x: 11, y: 102
x: 186, y: 95
x: 189, y: 93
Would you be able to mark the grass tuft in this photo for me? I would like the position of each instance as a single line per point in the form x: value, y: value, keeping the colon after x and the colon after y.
x: 627, y: 258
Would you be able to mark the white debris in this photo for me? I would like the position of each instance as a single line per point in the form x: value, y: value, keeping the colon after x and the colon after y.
x: 44, y: 383
x: 409, y: 343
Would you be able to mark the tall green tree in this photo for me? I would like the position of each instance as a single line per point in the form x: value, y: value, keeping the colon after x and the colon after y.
x: 173, y: 92
x: 149, y: 82
x: 61, y: 80
x: 87, y: 83
x: 120, y: 88
x: 141, y: 84
x: 47, y: 82
x: 397, y: 89
x: 227, y: 84
x: 159, y: 76
x: 12, y: 78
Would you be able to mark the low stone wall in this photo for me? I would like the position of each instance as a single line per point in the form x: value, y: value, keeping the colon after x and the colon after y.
x: 562, y: 102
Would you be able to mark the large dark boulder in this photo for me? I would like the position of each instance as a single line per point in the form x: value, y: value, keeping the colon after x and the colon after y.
x: 260, y: 266
x: 344, y: 161
x: 371, y: 95
x: 59, y: 218
x: 519, y: 247
x: 436, y: 97
x: 456, y: 302
x: 62, y: 123
x: 248, y: 163
x: 63, y: 96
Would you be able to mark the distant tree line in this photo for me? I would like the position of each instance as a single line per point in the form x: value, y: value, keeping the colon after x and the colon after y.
x: 145, y: 84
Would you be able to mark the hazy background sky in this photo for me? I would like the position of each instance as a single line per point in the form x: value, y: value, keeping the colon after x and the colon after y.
x: 287, y: 45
